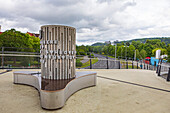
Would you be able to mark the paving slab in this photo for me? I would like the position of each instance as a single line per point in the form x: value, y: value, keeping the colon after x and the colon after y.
x: 109, y: 96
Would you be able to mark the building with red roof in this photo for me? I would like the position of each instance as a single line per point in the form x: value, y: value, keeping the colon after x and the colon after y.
x: 33, y: 34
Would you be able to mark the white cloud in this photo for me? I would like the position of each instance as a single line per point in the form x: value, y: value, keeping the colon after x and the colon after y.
x: 95, y: 20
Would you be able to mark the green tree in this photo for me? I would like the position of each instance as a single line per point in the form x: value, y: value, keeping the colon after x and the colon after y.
x: 13, y: 38
x: 143, y: 54
x: 163, y: 51
x: 141, y: 46
x: 168, y: 51
x: 148, y: 48
x: 78, y: 63
x: 136, y: 44
x: 137, y: 54
x: 127, y: 43
x: 163, y: 45
x: 119, y: 49
x: 82, y: 52
x: 122, y: 43
x: 131, y: 51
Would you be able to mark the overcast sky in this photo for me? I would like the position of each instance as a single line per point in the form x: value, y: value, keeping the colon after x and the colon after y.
x: 95, y: 20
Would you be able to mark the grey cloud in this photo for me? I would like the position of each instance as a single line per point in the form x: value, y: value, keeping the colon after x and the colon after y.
x: 95, y: 20
x: 127, y: 4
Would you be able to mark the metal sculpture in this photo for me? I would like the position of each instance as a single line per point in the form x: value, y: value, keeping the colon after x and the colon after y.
x: 58, y: 79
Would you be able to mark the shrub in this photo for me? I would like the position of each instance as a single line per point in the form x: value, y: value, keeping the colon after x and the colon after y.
x: 78, y: 63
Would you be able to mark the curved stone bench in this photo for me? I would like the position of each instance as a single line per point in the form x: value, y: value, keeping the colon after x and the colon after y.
x: 54, y: 93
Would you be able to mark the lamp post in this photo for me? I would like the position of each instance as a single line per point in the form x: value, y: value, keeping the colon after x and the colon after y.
x: 126, y: 51
x: 121, y: 52
x: 107, y: 42
x: 115, y: 51
x: 135, y: 55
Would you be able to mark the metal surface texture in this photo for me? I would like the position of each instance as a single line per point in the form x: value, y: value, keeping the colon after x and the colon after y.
x: 58, y: 79
x: 55, y: 99
x: 58, y: 52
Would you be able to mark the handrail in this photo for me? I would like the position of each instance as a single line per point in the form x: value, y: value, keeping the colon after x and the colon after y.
x: 19, y: 55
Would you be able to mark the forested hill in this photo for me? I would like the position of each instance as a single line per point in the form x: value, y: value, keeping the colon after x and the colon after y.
x: 98, y: 44
x: 143, y: 40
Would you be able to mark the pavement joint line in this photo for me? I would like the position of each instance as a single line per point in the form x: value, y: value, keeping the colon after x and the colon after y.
x: 135, y: 84
x: 3, y: 72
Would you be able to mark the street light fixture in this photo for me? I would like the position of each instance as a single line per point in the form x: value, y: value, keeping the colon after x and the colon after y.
x: 121, y: 52
x: 115, y: 50
x: 135, y: 55
x: 126, y: 51
x: 107, y: 43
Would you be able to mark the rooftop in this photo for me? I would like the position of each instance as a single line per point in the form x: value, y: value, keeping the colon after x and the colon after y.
x: 117, y: 91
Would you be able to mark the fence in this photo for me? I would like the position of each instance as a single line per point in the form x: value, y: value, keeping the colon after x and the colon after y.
x: 163, y: 70
x: 26, y: 58
x: 17, y: 58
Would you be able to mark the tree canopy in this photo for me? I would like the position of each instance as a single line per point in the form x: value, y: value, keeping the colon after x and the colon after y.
x: 127, y: 49
x: 13, y: 38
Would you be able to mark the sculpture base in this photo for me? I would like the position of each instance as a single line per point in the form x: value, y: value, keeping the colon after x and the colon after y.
x: 54, y: 93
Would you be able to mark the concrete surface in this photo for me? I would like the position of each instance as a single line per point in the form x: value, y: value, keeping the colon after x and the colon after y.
x: 109, y: 96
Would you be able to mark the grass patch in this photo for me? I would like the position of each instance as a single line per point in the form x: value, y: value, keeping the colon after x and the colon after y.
x: 124, y: 65
x: 88, y: 63
x: 109, y: 56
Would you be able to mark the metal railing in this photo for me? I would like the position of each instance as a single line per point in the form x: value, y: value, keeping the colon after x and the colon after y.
x: 163, y: 70
x: 18, y: 58
x: 26, y: 58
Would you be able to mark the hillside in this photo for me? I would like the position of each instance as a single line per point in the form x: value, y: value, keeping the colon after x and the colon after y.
x: 98, y: 44
x: 143, y: 40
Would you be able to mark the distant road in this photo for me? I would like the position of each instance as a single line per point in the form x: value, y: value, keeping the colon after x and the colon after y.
x: 85, y: 59
x: 102, y: 64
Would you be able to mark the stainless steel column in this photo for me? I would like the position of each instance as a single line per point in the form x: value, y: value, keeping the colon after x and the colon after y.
x: 58, y: 52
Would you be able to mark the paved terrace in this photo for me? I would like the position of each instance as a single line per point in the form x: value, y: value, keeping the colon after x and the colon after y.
x: 117, y: 91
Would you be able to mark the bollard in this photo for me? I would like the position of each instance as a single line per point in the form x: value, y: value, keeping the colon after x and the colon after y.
x: 38, y: 62
x: 144, y: 65
x: 159, y: 71
x: 2, y: 64
x: 157, y: 68
x: 141, y: 66
x: 132, y: 65
x: 90, y: 62
x: 126, y: 64
x: 108, y: 63
x: 137, y: 65
x: 147, y: 66
x: 119, y: 64
x: 168, y: 77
